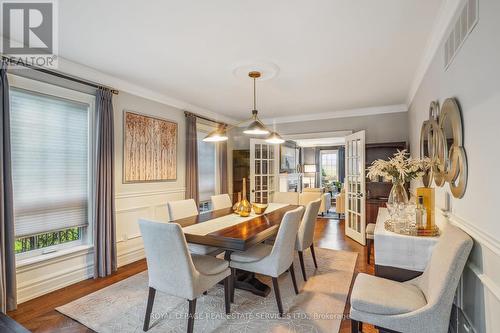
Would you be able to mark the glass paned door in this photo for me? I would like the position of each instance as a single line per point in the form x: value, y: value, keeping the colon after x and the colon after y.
x: 355, y: 187
x: 263, y: 170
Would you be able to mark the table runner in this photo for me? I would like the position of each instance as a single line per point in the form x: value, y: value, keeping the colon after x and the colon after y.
x: 402, y: 251
x: 204, y: 228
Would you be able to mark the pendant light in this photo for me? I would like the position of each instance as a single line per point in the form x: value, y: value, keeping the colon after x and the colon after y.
x: 217, y: 135
x: 275, y: 138
x: 256, y: 127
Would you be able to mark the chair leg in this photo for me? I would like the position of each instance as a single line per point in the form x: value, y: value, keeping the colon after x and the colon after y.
x: 368, y: 250
x: 233, y: 283
x: 292, y: 274
x: 278, y: 295
x: 303, y: 268
x: 355, y: 325
x: 227, y: 293
x: 192, y: 311
x: 149, y: 308
x: 314, y: 256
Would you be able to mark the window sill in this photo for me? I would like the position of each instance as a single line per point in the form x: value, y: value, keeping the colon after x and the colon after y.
x: 55, y: 256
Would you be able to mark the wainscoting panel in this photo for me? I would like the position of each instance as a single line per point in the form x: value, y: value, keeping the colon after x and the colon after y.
x: 40, y: 278
x: 59, y: 271
x: 479, y: 291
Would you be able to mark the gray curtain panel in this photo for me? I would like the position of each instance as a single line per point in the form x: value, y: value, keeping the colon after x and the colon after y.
x: 317, y: 179
x: 192, y: 191
x: 222, y: 160
x: 7, y: 256
x: 341, y: 163
x: 104, y: 227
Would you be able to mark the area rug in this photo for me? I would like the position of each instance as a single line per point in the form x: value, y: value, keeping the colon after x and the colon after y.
x: 318, y: 308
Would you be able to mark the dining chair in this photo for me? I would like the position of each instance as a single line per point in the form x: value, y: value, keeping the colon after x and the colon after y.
x: 221, y: 201
x: 181, y: 209
x: 305, y: 235
x: 291, y: 198
x: 272, y: 260
x: 422, y: 304
x: 172, y: 270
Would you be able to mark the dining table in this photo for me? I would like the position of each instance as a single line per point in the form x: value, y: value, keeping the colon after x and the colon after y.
x: 233, y: 233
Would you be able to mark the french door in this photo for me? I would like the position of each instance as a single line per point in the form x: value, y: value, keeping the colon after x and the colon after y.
x: 264, y: 170
x: 355, y: 216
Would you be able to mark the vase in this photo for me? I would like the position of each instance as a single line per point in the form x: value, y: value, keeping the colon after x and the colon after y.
x: 244, y: 208
x: 396, y: 204
x: 398, y: 194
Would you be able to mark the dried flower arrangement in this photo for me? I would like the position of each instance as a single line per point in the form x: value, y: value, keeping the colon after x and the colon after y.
x: 400, y: 168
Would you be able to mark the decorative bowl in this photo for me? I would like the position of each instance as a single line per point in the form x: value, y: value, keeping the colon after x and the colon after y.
x: 259, y: 208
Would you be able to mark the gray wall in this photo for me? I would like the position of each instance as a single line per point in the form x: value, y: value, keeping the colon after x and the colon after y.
x: 474, y: 79
x: 389, y: 127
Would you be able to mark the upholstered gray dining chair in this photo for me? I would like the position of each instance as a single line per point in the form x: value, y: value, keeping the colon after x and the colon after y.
x: 291, y: 198
x: 186, y: 208
x: 221, y: 201
x: 305, y: 235
x: 172, y: 270
x: 272, y: 260
x: 419, y: 305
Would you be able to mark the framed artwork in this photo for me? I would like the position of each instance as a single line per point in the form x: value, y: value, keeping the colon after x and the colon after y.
x: 149, y: 148
x: 288, y: 158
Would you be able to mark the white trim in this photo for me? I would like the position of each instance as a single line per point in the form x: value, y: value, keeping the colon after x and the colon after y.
x: 479, y: 235
x: 338, y: 114
x: 317, y: 135
x: 485, y: 240
x: 130, y: 256
x: 485, y: 280
x: 128, y: 238
x: 52, y: 282
x: 88, y: 73
x: 36, y: 262
x: 439, y: 31
x: 125, y: 195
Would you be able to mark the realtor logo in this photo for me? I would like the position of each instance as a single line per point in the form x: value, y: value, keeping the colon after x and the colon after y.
x: 29, y: 31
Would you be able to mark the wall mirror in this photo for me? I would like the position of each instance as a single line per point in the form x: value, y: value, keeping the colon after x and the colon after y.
x: 441, y: 139
x: 427, y: 148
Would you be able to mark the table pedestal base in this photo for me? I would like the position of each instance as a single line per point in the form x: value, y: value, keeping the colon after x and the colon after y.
x: 247, y: 281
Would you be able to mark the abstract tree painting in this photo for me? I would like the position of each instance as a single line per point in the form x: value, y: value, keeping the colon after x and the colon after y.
x: 150, y: 149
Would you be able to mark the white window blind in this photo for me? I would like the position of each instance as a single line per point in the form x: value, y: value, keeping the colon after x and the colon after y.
x: 206, y: 168
x: 50, y: 162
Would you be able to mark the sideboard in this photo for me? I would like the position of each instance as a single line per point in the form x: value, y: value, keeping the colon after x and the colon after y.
x: 400, y: 257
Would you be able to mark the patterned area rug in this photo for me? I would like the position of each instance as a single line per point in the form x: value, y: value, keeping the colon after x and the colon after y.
x: 318, y: 308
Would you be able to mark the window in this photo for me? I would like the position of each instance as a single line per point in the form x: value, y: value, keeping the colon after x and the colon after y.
x: 206, y: 171
x: 52, y: 150
x: 329, y: 167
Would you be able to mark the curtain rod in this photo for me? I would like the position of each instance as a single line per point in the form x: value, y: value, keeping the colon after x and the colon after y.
x: 60, y: 75
x: 187, y: 113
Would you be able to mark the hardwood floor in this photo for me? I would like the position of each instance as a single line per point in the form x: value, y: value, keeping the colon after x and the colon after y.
x: 38, y: 315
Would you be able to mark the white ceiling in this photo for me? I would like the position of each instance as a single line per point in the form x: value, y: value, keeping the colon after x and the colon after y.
x: 332, y: 54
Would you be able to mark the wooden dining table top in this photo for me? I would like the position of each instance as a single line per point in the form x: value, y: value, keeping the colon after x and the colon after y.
x: 238, y: 237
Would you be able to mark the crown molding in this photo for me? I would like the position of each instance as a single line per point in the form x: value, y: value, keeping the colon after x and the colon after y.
x: 338, y: 114
x: 447, y: 12
x: 78, y: 70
